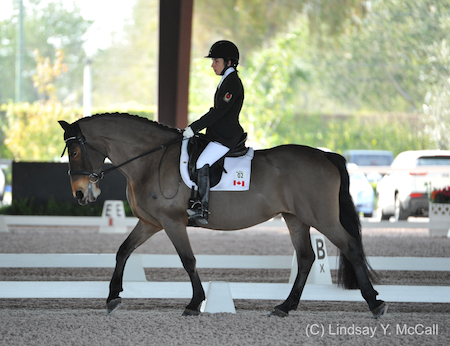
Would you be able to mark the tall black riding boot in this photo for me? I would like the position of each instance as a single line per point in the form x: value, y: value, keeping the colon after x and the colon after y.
x: 199, y: 209
x: 203, y: 189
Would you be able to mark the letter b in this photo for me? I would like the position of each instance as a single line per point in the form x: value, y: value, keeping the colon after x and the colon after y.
x: 320, y: 249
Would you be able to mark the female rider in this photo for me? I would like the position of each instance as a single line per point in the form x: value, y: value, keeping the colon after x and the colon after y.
x: 223, y: 130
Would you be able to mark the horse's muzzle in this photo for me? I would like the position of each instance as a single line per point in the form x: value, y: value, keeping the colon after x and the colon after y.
x: 88, y: 195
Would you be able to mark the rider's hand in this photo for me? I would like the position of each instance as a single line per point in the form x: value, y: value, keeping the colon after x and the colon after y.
x: 188, y: 133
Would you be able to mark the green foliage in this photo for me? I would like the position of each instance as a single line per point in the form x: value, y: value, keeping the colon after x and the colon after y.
x: 127, y: 71
x: 47, y: 27
x: 385, y: 65
x: 27, y: 206
x: 32, y: 130
x: 436, y: 107
x: 252, y: 24
x: 271, y: 78
x: 395, y: 132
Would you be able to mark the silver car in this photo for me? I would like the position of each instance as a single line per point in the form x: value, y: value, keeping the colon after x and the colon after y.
x: 361, y: 191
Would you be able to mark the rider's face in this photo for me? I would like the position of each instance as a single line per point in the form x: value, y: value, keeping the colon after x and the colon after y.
x: 218, y: 64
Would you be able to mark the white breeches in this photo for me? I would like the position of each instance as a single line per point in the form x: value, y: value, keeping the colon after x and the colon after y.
x: 213, y: 152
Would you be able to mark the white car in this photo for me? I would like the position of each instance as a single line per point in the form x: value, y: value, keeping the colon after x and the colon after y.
x: 404, y: 193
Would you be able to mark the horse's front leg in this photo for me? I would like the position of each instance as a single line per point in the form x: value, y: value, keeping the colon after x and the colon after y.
x: 138, y: 236
x: 178, y: 235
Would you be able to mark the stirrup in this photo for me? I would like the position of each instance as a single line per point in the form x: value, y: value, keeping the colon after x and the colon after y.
x: 197, y: 212
x: 195, y: 208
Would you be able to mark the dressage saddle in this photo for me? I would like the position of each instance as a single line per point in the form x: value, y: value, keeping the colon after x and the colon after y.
x: 195, y: 147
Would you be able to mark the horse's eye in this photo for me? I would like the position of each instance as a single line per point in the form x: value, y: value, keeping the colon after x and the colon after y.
x: 73, y: 153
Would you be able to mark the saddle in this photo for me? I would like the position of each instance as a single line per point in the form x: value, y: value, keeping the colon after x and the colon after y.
x: 196, y: 146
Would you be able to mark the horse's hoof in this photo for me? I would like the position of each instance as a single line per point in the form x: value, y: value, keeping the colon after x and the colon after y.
x: 113, y: 305
x: 279, y: 313
x: 190, y: 312
x: 380, y: 310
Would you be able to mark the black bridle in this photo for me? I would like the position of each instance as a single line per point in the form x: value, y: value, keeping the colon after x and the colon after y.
x: 95, y: 177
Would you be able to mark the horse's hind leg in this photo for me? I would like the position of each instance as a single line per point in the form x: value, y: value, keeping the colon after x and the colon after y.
x: 352, y: 249
x: 138, y: 236
x: 301, y: 240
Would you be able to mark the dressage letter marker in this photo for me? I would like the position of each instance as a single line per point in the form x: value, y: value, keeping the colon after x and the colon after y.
x: 320, y: 272
x: 113, y: 210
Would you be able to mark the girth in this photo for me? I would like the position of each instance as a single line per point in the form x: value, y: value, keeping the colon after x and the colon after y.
x: 196, y: 146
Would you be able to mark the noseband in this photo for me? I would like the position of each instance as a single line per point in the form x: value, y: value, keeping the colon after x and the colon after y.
x: 95, y: 177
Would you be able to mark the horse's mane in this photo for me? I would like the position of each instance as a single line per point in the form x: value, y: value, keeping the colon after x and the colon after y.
x: 130, y: 117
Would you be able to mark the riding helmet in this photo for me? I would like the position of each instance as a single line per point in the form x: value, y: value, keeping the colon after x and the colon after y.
x: 226, y: 50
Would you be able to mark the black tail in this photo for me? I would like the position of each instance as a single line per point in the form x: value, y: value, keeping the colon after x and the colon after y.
x: 349, y: 219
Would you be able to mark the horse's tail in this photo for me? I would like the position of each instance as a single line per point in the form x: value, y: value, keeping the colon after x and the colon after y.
x: 349, y: 219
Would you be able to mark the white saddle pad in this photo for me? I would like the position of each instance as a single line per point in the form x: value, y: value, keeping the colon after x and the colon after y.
x: 236, y: 178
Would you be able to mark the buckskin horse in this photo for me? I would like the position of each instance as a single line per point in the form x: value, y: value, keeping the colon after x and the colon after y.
x: 309, y: 187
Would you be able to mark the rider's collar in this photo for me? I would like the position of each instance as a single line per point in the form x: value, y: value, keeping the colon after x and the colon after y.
x: 227, y: 72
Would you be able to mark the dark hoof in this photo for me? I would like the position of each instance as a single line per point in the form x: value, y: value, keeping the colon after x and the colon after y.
x: 113, y: 305
x: 380, y: 310
x: 279, y: 313
x: 189, y: 312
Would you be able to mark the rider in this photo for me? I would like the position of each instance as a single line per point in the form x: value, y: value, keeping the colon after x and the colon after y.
x: 223, y: 130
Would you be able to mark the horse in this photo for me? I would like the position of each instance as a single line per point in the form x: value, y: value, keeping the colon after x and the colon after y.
x: 307, y: 186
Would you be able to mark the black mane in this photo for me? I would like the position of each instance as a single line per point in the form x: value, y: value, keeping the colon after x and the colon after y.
x: 132, y: 117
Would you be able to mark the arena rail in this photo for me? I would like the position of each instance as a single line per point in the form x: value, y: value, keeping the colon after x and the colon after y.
x: 120, y: 225
x: 136, y: 285
x: 138, y: 262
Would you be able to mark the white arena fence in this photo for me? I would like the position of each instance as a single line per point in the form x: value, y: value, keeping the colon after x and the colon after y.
x: 220, y: 295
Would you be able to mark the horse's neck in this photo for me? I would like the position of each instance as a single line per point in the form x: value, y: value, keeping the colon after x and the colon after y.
x: 126, y: 138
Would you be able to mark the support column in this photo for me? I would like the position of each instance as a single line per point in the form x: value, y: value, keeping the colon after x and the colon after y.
x: 175, y: 26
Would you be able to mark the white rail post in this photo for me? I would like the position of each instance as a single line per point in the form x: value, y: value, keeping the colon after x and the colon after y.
x: 218, y: 298
x: 3, y: 225
x: 134, y: 270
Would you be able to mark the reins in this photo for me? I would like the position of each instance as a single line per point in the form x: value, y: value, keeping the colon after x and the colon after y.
x: 95, y: 177
x: 162, y: 146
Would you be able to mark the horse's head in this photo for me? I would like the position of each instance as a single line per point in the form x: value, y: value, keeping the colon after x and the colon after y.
x: 85, y: 163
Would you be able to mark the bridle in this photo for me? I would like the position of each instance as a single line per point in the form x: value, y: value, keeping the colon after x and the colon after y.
x: 95, y: 177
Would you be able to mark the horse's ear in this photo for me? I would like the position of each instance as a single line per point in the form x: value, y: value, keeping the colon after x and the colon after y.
x: 64, y: 124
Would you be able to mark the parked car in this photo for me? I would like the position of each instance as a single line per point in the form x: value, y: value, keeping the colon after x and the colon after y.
x: 361, y: 192
x: 404, y: 193
x: 370, y: 158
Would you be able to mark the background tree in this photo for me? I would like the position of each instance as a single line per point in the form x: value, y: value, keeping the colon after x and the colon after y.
x: 32, y: 130
x: 127, y: 71
x: 46, y: 28
x: 252, y: 24
x: 380, y: 66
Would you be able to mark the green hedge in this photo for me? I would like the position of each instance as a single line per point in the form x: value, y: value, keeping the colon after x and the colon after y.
x: 52, y: 208
x: 394, y: 132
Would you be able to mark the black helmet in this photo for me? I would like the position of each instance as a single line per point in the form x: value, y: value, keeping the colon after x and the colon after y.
x: 226, y: 50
